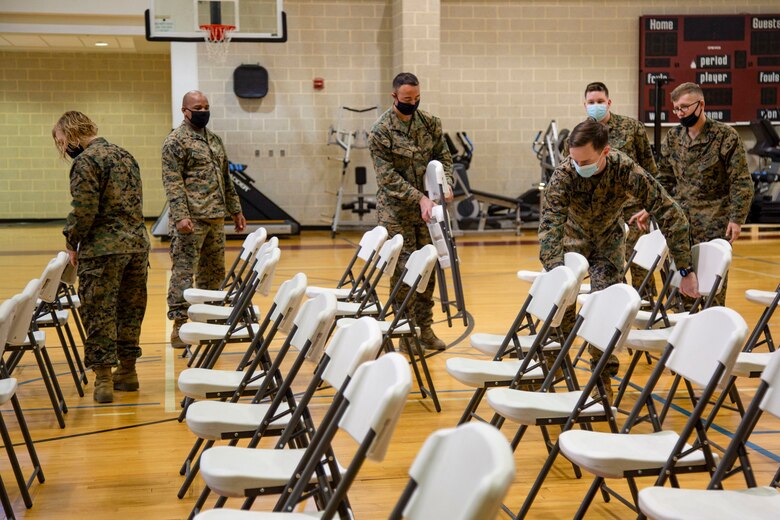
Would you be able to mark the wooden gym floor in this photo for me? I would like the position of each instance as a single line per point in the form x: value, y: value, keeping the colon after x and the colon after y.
x: 123, y: 459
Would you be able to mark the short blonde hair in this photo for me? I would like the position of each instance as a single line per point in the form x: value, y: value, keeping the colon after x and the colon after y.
x: 74, y: 126
x: 687, y: 88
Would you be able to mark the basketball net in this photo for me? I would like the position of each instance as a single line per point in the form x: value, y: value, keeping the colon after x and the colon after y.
x: 217, y: 37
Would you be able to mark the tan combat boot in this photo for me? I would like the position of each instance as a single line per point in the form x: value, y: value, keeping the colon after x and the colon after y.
x: 430, y: 341
x: 104, y: 386
x: 125, y: 376
x: 176, y: 341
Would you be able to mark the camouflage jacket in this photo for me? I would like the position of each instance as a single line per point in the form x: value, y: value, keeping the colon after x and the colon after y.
x: 195, y: 176
x: 708, y: 175
x: 107, y: 216
x: 588, y: 212
x: 401, y: 154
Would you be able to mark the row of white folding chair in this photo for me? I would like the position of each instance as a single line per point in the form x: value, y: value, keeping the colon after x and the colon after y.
x: 753, y: 503
x: 459, y: 473
x: 349, y: 285
x: 8, y: 387
x: 234, y: 278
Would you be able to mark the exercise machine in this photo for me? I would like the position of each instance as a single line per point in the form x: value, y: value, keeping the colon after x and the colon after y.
x: 259, y: 210
x: 765, y: 208
x: 441, y: 235
x: 347, y: 140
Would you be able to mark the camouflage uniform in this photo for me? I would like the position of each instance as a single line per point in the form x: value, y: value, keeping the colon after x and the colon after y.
x: 401, y: 152
x: 709, y: 178
x: 629, y: 136
x: 106, y: 227
x: 586, y: 216
x: 198, y: 186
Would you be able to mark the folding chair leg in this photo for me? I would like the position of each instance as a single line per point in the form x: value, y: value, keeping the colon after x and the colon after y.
x: 9, y: 448
x: 479, y: 393
x: 76, y: 356
x: 190, y: 456
x: 204, y: 495
x: 7, y: 507
x: 37, y: 470
x: 69, y: 359
x: 429, y: 389
x: 51, y: 384
x: 594, y: 488
x: 626, y: 378
x: 540, y: 478
x: 193, y: 470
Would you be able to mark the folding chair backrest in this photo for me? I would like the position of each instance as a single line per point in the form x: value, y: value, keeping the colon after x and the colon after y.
x: 550, y: 289
x: 266, y: 268
x: 649, y: 248
x: 50, y: 279
x: 377, y: 395
x: 709, y: 261
x: 25, y: 307
x: 721, y: 242
x: 461, y: 473
x: 371, y: 241
x: 420, y: 263
x: 579, y: 266
x: 350, y: 347
x: 288, y: 300
x: 771, y: 376
x: 313, y: 321
x: 606, y: 311
x: 252, y: 243
x: 7, y: 313
x: 389, y: 253
x: 704, y: 339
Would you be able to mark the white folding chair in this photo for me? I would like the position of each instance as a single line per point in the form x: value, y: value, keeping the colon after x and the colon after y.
x: 349, y: 283
x: 573, y: 260
x: 702, y: 350
x: 746, y: 504
x: 371, y: 405
x: 8, y: 387
x: 546, y: 302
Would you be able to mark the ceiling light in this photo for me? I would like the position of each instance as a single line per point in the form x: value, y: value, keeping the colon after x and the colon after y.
x: 101, y: 44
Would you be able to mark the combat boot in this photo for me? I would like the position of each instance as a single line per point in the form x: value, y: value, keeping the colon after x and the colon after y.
x: 430, y: 341
x: 176, y: 341
x: 125, y: 376
x: 104, y: 386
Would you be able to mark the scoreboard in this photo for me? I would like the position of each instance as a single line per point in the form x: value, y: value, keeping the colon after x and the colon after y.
x: 734, y: 58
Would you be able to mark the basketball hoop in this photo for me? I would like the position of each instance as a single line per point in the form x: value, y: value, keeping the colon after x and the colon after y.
x: 217, y: 37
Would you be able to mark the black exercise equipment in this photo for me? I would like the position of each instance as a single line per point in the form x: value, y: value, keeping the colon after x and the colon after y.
x: 259, y: 210
x: 765, y: 208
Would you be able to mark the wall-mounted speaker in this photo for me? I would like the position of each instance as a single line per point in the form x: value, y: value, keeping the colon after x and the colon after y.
x: 250, y: 81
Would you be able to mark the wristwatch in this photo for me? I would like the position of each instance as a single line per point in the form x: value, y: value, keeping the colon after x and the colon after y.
x: 685, y: 271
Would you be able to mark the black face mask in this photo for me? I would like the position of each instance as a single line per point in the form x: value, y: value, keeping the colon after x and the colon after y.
x: 406, y: 108
x: 691, y: 119
x: 199, y: 118
x: 74, y: 151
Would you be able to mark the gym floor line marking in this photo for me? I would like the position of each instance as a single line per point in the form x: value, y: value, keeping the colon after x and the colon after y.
x: 112, y: 413
x: 170, y: 390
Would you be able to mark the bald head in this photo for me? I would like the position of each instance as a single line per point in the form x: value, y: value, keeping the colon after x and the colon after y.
x: 194, y: 97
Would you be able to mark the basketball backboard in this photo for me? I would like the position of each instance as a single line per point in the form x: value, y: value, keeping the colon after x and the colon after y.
x: 182, y: 20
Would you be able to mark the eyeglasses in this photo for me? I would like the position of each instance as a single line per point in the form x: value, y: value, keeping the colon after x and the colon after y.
x: 684, y: 108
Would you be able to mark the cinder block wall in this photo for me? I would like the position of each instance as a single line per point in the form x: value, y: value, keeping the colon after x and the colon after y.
x: 127, y: 95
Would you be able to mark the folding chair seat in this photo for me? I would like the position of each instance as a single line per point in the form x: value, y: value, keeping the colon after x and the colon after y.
x: 751, y: 503
x: 546, y: 302
x: 573, y: 260
x: 711, y: 264
x: 397, y: 319
x: 349, y: 283
x: 490, y: 343
x: 238, y: 328
x: 49, y: 314
x: 367, y: 412
x: 212, y: 421
x: 227, y: 294
x: 603, y: 322
x: 702, y: 350
x: 24, y: 337
x: 365, y: 300
x: 8, y: 387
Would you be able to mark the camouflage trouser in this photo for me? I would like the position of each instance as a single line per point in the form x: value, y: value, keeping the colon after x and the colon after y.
x: 415, y: 237
x: 603, y: 273
x: 637, y: 273
x: 112, y: 290
x: 199, y: 255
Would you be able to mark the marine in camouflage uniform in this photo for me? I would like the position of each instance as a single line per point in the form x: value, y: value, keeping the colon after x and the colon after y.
x: 106, y: 227
x: 199, y: 188
x: 585, y: 215
x: 708, y: 176
x: 401, y: 151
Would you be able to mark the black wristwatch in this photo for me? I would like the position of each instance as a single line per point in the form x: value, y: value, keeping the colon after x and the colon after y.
x: 685, y: 271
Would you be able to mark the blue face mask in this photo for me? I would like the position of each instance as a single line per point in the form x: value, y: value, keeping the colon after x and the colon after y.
x: 597, y: 112
x: 589, y: 170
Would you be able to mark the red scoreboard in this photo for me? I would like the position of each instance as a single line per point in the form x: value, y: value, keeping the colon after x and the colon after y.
x: 734, y: 58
